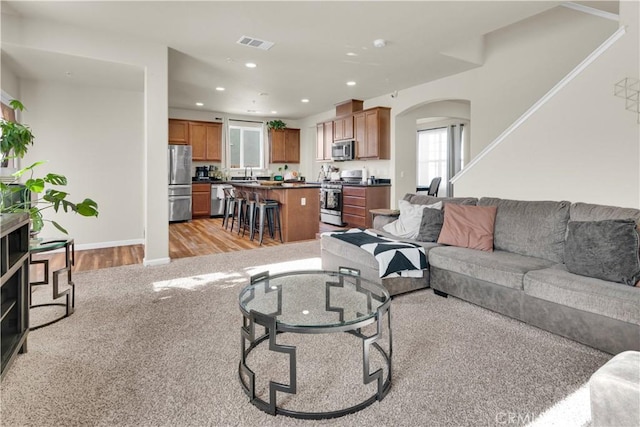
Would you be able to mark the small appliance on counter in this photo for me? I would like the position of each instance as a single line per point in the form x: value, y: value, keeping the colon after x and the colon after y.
x: 351, y: 176
x: 202, y: 173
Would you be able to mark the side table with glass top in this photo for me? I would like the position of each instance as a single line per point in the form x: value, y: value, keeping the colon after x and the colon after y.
x: 40, y: 245
x: 316, y: 302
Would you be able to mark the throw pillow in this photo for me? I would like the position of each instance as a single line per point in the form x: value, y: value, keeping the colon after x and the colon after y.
x: 606, y: 250
x: 407, y: 225
x: 430, y: 225
x: 468, y: 226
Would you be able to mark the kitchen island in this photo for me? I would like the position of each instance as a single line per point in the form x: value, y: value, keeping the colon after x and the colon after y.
x: 299, y: 207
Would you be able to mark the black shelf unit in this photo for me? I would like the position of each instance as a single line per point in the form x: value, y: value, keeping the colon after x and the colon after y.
x: 14, y: 287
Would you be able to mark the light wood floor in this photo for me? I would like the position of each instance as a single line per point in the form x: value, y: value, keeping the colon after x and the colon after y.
x: 186, y: 239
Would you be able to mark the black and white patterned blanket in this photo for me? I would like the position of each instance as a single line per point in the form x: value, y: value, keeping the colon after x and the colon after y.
x: 395, y: 258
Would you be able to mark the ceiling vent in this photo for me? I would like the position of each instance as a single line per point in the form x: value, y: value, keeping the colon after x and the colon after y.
x: 253, y: 42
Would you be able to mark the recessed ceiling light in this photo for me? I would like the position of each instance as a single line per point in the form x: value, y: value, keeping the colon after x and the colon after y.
x: 305, y: 100
x: 274, y: 112
x: 379, y: 42
x: 68, y: 73
x: 220, y: 89
x: 251, y: 65
x: 352, y: 83
x: 199, y: 104
x: 352, y: 54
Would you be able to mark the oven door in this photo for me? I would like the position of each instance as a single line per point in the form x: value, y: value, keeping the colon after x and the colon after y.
x: 331, y: 200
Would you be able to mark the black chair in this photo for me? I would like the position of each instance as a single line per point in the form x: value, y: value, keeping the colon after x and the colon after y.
x: 434, y: 186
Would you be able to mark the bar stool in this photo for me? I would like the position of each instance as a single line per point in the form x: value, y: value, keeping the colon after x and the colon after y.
x: 271, y: 210
x: 238, y: 211
x: 249, y: 213
x: 229, y: 206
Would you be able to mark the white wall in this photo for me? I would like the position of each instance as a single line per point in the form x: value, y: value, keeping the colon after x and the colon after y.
x: 523, y: 62
x: 93, y: 136
x: 580, y: 146
x: 10, y: 83
x: 153, y: 61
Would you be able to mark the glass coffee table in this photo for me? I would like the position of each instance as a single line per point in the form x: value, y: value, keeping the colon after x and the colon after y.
x: 315, y: 302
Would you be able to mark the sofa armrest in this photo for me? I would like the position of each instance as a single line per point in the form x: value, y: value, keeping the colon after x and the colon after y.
x: 382, y: 217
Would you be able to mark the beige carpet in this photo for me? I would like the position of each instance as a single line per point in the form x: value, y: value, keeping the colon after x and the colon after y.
x: 160, y: 346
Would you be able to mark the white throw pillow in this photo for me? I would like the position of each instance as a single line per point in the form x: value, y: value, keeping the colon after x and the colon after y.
x: 407, y: 226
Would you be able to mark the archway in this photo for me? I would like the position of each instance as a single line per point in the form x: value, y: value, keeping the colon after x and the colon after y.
x: 407, y: 123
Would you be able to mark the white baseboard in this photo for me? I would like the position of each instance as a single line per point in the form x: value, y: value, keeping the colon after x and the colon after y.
x: 154, y: 262
x: 100, y: 245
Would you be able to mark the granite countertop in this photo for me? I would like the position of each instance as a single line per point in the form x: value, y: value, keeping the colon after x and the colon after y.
x: 285, y: 185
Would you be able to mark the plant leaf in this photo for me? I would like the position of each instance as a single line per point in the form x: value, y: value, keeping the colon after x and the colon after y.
x: 87, y: 208
x: 55, y: 179
x: 16, y: 105
x: 59, y: 227
x: 35, y: 185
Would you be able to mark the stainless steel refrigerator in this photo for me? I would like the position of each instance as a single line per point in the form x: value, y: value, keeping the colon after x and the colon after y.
x: 179, y: 162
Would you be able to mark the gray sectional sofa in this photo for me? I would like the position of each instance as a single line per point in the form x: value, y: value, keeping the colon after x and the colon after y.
x: 525, y: 276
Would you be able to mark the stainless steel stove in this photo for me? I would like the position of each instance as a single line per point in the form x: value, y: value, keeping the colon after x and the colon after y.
x: 331, y: 197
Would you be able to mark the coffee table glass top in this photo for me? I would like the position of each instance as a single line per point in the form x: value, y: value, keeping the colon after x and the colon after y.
x: 313, y: 299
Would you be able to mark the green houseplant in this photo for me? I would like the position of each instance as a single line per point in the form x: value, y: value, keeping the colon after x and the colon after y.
x: 16, y: 139
x: 276, y: 124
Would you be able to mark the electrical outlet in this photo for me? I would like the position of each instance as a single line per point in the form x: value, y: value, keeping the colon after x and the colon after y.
x: 303, y: 201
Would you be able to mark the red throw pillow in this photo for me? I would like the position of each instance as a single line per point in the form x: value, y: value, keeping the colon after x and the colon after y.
x: 468, y: 226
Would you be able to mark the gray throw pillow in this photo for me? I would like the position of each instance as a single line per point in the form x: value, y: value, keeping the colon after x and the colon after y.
x: 430, y: 225
x: 606, y: 250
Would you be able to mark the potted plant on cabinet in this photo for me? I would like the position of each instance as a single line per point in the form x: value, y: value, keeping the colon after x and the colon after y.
x: 15, y: 138
x: 276, y: 124
x: 16, y: 197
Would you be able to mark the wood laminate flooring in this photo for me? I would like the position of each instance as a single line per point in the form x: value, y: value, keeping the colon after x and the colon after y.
x: 186, y: 239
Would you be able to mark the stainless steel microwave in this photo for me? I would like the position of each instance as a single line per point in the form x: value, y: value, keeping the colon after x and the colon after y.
x: 342, y: 150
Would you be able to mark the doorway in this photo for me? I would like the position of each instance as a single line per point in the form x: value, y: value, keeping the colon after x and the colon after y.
x: 440, y: 153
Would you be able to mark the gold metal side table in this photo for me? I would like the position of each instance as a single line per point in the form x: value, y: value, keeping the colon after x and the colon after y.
x: 46, y: 245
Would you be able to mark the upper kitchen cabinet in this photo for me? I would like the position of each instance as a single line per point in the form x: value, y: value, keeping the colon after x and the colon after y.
x: 343, y: 128
x: 206, y: 141
x: 372, y: 133
x: 285, y: 145
x: 178, y: 132
x: 324, y: 139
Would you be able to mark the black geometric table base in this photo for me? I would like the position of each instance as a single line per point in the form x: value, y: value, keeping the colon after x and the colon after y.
x: 271, y: 332
x: 69, y: 293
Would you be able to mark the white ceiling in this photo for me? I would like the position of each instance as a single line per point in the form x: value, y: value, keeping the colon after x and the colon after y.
x: 309, y: 58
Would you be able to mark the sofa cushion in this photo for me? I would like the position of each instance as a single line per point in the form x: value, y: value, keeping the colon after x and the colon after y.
x: 408, y: 223
x: 591, y: 212
x: 533, y: 228
x: 423, y: 199
x: 606, y: 250
x: 597, y: 296
x: 499, y: 267
x: 430, y: 226
x: 468, y: 226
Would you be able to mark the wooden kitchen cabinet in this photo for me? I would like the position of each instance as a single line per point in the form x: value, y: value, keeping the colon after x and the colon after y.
x: 357, y: 201
x: 200, y: 200
x: 324, y: 140
x: 205, y: 139
x: 343, y: 128
x: 285, y: 145
x: 372, y: 133
x: 178, y: 132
